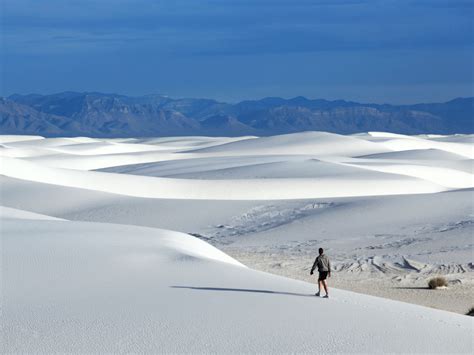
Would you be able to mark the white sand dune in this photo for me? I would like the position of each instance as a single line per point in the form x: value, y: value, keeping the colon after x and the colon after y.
x: 97, y: 148
x: 244, y: 189
x: 247, y: 167
x: 381, y: 204
x: 92, y: 154
x: 416, y: 154
x: 94, y: 288
x: 413, y: 143
x: 197, y: 164
x: 457, y: 138
x: 320, y: 164
x: 17, y: 138
x: 50, y: 142
x: 434, y: 228
x: 316, y: 143
x: 28, y: 152
x: 449, y: 178
x: 13, y: 213
x: 101, y: 161
x: 188, y: 142
x: 88, y: 205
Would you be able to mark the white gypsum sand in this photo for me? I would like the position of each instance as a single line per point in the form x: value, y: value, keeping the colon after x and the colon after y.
x: 392, y: 211
x: 95, y: 287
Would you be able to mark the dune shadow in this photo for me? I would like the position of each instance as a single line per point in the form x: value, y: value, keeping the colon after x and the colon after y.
x: 244, y: 290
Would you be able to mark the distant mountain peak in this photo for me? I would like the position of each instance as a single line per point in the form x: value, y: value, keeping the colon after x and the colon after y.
x: 99, y: 114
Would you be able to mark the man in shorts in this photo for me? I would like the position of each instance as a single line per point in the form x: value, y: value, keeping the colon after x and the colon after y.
x: 324, y: 268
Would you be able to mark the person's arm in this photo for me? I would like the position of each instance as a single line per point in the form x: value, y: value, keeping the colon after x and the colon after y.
x: 329, y: 268
x: 314, y: 266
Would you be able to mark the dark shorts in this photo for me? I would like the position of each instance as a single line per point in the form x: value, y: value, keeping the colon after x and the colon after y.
x: 323, y: 275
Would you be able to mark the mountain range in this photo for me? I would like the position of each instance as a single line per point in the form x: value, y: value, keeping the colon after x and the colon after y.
x: 110, y: 115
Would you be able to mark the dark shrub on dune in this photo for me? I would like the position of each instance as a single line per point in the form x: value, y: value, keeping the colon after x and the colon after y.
x: 436, y: 282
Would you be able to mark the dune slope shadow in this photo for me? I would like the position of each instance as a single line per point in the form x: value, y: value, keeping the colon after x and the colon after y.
x: 244, y: 290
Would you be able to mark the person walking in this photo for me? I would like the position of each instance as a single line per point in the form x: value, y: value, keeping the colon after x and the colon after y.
x: 324, y: 269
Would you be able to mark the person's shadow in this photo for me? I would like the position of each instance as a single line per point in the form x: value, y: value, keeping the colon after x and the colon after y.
x: 244, y: 290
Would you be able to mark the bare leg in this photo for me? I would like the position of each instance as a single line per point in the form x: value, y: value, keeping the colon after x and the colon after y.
x: 319, y: 287
x: 325, y: 286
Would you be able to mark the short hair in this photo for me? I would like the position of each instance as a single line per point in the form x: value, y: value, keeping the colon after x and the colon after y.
x: 321, y: 250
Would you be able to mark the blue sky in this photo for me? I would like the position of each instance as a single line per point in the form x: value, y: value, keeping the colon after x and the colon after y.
x: 397, y: 51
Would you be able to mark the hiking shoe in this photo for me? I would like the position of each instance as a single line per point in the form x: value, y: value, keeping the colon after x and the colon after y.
x: 317, y: 294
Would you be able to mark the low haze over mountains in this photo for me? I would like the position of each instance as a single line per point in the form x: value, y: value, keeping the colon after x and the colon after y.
x: 111, y: 115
